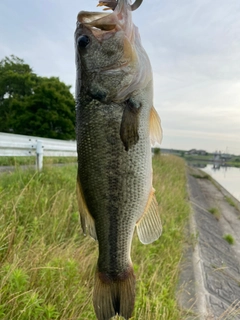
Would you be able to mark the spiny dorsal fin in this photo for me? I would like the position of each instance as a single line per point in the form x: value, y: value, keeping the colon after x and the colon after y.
x: 87, y: 221
x: 155, y: 127
x: 149, y: 227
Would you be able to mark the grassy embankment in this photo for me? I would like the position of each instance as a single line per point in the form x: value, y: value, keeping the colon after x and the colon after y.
x: 18, y: 161
x: 28, y: 161
x: 233, y: 162
x: 47, y: 266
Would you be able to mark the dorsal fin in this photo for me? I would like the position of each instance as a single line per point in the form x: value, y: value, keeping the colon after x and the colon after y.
x: 155, y: 127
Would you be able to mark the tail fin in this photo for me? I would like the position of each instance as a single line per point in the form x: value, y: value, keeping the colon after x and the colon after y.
x: 111, y: 297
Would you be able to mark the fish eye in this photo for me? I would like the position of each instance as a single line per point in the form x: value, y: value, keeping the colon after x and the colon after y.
x: 83, y: 41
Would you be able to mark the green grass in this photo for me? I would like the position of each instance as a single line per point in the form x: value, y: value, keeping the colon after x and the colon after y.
x: 233, y: 162
x: 229, y: 238
x: 230, y: 201
x: 215, y: 211
x: 47, y: 266
x: 201, y: 176
x: 199, y: 157
x: 20, y: 161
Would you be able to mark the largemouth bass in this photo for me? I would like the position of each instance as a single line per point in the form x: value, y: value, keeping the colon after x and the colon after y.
x: 116, y: 124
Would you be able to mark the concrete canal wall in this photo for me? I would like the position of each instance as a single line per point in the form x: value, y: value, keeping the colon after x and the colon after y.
x: 210, y: 278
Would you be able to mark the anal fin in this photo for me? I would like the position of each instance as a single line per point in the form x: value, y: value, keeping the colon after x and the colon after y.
x: 149, y: 227
x: 87, y: 221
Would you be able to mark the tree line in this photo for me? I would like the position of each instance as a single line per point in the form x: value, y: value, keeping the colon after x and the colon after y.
x: 34, y: 105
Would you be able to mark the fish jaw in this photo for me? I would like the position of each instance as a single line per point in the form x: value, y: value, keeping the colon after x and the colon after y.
x: 119, y: 19
x: 111, y: 4
x: 115, y: 61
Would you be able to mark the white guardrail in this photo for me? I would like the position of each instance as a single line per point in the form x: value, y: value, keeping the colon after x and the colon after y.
x: 15, y: 145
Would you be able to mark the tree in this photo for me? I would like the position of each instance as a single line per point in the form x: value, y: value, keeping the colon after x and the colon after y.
x: 16, y: 81
x: 157, y: 151
x: 34, y: 105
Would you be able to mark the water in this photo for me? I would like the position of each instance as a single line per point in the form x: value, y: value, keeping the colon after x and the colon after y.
x: 228, y: 177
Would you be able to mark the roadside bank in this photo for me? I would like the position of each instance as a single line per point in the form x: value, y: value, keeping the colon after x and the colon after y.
x: 210, y: 280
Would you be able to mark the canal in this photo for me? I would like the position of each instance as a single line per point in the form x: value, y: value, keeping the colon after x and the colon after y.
x: 228, y: 177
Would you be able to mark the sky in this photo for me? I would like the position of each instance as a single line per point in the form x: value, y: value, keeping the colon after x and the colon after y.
x: 193, y: 46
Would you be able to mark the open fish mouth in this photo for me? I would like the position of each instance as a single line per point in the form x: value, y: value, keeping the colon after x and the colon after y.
x: 118, y: 19
x: 111, y: 4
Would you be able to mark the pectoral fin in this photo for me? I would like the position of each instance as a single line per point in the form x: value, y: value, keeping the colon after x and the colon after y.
x: 87, y: 221
x: 155, y: 127
x: 130, y: 124
x: 149, y: 227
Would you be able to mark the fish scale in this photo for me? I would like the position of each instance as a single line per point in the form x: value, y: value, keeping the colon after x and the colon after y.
x: 115, y: 182
x: 116, y: 123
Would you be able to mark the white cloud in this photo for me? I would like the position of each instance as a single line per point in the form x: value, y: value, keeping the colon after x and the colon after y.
x: 193, y: 45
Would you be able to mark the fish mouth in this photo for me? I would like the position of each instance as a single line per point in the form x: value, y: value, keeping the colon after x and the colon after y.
x: 97, y: 20
x: 109, y: 21
x: 104, y: 25
x: 111, y: 4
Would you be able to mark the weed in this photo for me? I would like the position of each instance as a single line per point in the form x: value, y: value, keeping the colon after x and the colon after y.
x: 20, y: 161
x: 230, y: 201
x: 215, y: 211
x: 193, y: 239
x: 47, y: 266
x: 229, y: 238
x: 200, y: 176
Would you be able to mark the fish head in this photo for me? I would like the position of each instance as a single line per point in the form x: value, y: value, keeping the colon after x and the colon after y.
x: 109, y: 53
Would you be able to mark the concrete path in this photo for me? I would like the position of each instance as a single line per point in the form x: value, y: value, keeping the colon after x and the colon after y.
x: 210, y: 280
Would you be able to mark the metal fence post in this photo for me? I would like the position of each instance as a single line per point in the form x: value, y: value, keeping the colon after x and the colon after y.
x: 39, y: 154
